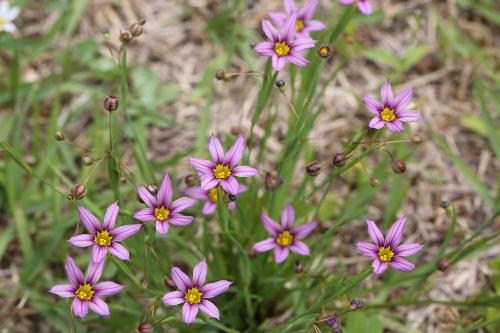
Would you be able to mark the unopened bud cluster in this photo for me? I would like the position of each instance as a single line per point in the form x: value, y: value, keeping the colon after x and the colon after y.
x: 134, y: 31
x: 339, y: 160
x: 313, y: 169
x: 77, y: 192
x: 111, y: 103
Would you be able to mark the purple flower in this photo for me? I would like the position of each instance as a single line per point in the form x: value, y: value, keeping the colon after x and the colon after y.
x: 388, y: 252
x: 87, y: 292
x: 304, y: 23
x: 161, y: 209
x: 364, y: 6
x: 284, y: 237
x: 283, y: 46
x: 223, y: 169
x: 104, y: 238
x: 210, y: 197
x: 392, y: 112
x: 194, y: 294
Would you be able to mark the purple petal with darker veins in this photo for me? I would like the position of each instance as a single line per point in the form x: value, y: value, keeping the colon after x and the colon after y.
x: 280, y: 254
x: 147, y: 197
x: 196, y: 193
x: 300, y: 248
x: 182, y: 203
x: 278, y: 18
x: 265, y: 49
x: 74, y: 274
x: 297, y: 59
x: 265, y: 245
x: 269, y: 30
x: 107, y: 288
x: 210, y: 309
x: 229, y: 185
x: 89, y: 220
x: 315, y: 26
x: 376, y: 123
x: 82, y: 240
x: 164, y: 195
x: 379, y: 267
x: 180, y: 220
x: 346, y: 2
x: 99, y: 253
x: 119, y: 251
x: 403, y: 99
x: 367, y: 249
x: 125, y: 231
x: 189, y: 312
x: 63, y: 290
x: 304, y: 230
x: 365, y: 7
x: 161, y: 227
x: 406, y: 250
x: 94, y: 272
x: 408, y: 116
x: 375, y: 233
x: 216, y: 150
x: 278, y: 62
x: 200, y: 273
x: 209, y: 208
x: 244, y: 171
x: 372, y: 105
x: 111, y: 215
x: 395, y: 233
x: 209, y: 183
x: 145, y: 215
x: 302, y: 44
x: 287, y: 217
x: 395, y: 126
x: 289, y: 29
x: 235, y: 153
x: 386, y: 93
x: 401, y: 264
x: 173, y: 298
x: 79, y: 308
x: 290, y: 6
x: 213, y: 289
x: 99, y: 306
x: 307, y: 12
x: 201, y: 166
x: 272, y: 227
x: 180, y: 278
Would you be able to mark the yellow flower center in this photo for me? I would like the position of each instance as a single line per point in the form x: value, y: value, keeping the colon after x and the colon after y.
x: 221, y: 171
x: 285, y: 238
x: 385, y: 254
x: 324, y: 51
x: 2, y: 23
x: 299, y: 25
x: 387, y: 114
x: 212, y: 194
x: 84, y: 292
x: 162, y: 213
x: 103, y: 238
x: 281, y: 49
x: 193, y: 296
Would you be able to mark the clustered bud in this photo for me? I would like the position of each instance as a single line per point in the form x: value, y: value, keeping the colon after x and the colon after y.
x: 220, y: 75
x: 339, y: 160
x: 59, y: 136
x: 375, y: 182
x: 416, y: 139
x: 280, y: 84
x: 125, y: 37
x: 399, y: 166
x: 313, y: 169
x: 232, y: 197
x: 443, y: 264
x: 356, y: 304
x: 324, y: 52
x: 136, y: 29
x: 334, y: 323
x: 190, y: 180
x: 145, y: 328
x: 77, y: 192
x: 111, y: 103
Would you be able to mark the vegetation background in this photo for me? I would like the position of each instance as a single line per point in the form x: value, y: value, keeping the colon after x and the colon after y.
x: 57, y: 71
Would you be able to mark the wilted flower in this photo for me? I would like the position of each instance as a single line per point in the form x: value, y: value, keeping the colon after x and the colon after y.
x: 86, y: 291
x: 284, y: 237
x: 388, y: 251
x: 161, y: 209
x: 194, y: 294
x: 304, y: 23
x: 364, y: 6
x: 392, y: 112
x: 223, y: 169
x: 104, y: 238
x: 210, y: 197
x: 7, y: 16
x: 283, y: 45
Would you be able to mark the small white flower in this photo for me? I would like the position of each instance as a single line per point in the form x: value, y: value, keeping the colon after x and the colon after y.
x: 7, y: 16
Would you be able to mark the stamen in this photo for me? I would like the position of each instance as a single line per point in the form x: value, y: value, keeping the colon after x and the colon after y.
x: 162, y: 213
x: 299, y: 25
x: 193, y: 296
x: 281, y: 48
x: 103, y: 238
x: 212, y: 195
x: 85, y: 292
x: 285, y: 238
x: 385, y: 254
x: 221, y: 171
x: 387, y: 114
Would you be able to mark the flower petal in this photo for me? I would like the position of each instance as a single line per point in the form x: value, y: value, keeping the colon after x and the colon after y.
x: 379, y: 267
x: 297, y: 59
x: 265, y: 245
x: 408, y: 115
x: 119, y: 251
x: 111, y: 215
x: 314, y: 25
x: 145, y: 215
x: 99, y: 306
x: 277, y: 18
x: 395, y: 233
x: 372, y: 105
x: 376, y: 123
x: 401, y: 264
x: 147, y: 197
x: 201, y: 166
x: 403, y: 99
x: 210, y: 309
x: 309, y: 9
x: 180, y: 220
x: 213, y: 289
x: 200, y: 273
x: 94, y: 272
x: 269, y: 30
x: 301, y: 44
x: 300, y: 248
x: 99, y: 253
x: 182, y: 203
x: 235, y: 153
x: 289, y: 29
x: 290, y: 6
x: 395, y: 126
x: 180, y: 278
x: 386, y: 93
x: 74, y: 274
x: 107, y: 288
x: 196, y: 193
x: 83, y: 240
x: 161, y: 227
x: 209, y: 183
x: 89, y: 220
x: 280, y: 254
x: 125, y: 231
x: 229, y: 185
x: 63, y: 290
x: 375, y: 233
x: 367, y: 249
x: 365, y: 7
x: 244, y: 171
x: 406, y: 250
x: 189, y: 312
x: 79, y: 308
x: 265, y: 49
x: 287, y: 217
x: 216, y: 150
x: 173, y: 298
x: 272, y: 227
x: 164, y: 195
x: 278, y: 62
x: 305, y: 229
x: 209, y: 208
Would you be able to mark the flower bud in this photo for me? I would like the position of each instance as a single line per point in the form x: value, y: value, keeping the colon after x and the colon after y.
x: 111, y: 103
x: 59, y: 136
x: 145, y: 328
x: 324, y: 52
x: 105, y: 32
x: 444, y: 203
x: 190, y: 180
x: 87, y: 160
x: 220, y: 75
x: 280, y: 84
x: 398, y: 166
x: 331, y: 321
x: 232, y: 197
x: 443, y: 264
x: 313, y: 169
x: 136, y: 29
x: 169, y: 283
x: 356, y: 304
x: 235, y: 131
x: 77, y: 192
x: 339, y: 160
x: 375, y: 182
x: 152, y: 189
x: 125, y: 37
x: 251, y: 254
x: 416, y: 139
x: 299, y: 269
